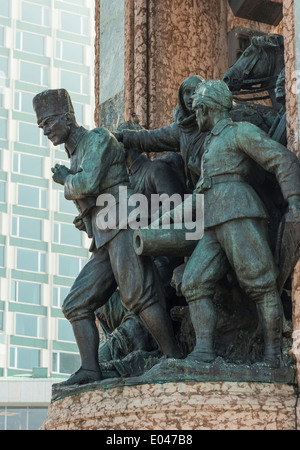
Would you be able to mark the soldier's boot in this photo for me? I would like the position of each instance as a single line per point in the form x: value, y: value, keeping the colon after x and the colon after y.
x: 159, y: 324
x: 204, y: 319
x: 270, y: 314
x: 87, y: 339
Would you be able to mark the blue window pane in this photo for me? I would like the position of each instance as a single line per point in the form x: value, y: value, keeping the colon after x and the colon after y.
x: 72, y: 80
x: 72, y: 52
x: 28, y: 196
x: 31, y: 73
x: 36, y: 417
x: 2, y: 419
x: 65, y: 331
x: 26, y: 292
x: 30, y: 228
x: 43, y: 262
x: 14, y: 226
x: 28, y: 358
x: 85, y: 26
x: 31, y: 165
x: 3, y: 67
x: 27, y: 260
x: 29, y: 134
x: 23, y: 102
x: 42, y: 327
x: 32, y: 13
x: 59, y: 294
x: 70, y: 235
x: 12, y: 356
x: 16, y: 419
x: 3, y: 128
x: 70, y: 22
x: 1, y: 256
x: 26, y: 325
x: 68, y: 266
x: 1, y: 36
x: 66, y: 206
x: 43, y: 199
x: 4, y: 8
x: 54, y: 362
x: 33, y: 43
x: 78, y: 113
x: 2, y: 192
x: 68, y: 363
x: 46, y: 17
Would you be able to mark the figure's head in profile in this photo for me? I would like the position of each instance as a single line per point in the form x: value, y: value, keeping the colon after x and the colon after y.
x: 186, y: 92
x: 55, y: 114
x: 280, y: 88
x: 212, y: 97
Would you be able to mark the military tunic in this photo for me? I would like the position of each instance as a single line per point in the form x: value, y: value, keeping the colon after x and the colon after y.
x: 234, y: 216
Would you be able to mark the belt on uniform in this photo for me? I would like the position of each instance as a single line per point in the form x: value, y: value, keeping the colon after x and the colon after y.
x: 114, y: 190
x: 207, y: 182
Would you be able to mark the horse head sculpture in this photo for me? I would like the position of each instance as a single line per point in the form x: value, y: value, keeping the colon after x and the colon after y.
x: 258, y: 67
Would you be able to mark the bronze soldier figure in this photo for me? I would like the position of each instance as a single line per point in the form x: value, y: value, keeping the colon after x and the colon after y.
x: 235, y: 220
x: 97, y: 166
x: 162, y: 175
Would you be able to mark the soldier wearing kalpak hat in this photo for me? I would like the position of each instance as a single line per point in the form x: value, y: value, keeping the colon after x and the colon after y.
x: 97, y: 165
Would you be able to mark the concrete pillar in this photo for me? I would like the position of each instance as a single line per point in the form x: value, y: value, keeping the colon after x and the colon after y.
x: 110, y: 71
x: 165, y: 42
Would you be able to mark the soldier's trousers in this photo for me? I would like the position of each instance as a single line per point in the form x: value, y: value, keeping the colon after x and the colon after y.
x: 114, y: 264
x: 241, y: 244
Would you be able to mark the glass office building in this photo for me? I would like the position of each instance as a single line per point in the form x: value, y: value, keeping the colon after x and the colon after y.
x: 43, y: 44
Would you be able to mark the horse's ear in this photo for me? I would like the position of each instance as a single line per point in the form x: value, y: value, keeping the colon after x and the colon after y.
x: 254, y: 41
x: 258, y: 41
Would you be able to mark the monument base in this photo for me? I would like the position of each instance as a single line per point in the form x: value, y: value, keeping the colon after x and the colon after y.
x: 178, y: 406
x: 181, y: 395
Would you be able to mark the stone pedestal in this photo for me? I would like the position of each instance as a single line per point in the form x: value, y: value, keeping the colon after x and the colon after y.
x: 177, y: 406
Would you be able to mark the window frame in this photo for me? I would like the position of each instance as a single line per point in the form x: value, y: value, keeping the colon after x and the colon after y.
x: 43, y: 74
x: 16, y: 222
x: 44, y: 11
x: 20, y: 42
x: 41, y: 260
x: 15, y: 292
x: 17, y: 156
x: 42, y: 202
x: 41, y: 332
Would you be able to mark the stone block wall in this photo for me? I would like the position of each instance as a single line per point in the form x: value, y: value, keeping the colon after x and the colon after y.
x: 178, y: 406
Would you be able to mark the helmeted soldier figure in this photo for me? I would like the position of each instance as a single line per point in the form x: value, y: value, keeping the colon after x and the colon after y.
x: 235, y: 220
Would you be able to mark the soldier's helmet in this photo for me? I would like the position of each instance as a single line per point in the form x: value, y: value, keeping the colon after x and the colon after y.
x: 215, y: 93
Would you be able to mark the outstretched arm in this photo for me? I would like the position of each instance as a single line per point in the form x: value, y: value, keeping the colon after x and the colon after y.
x: 161, y: 140
x: 274, y: 158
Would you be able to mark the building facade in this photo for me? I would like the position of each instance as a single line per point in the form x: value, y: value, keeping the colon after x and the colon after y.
x: 43, y: 44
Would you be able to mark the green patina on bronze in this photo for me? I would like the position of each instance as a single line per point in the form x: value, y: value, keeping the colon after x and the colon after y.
x: 235, y: 274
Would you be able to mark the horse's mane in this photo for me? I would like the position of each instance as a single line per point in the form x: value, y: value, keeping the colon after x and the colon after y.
x: 272, y: 40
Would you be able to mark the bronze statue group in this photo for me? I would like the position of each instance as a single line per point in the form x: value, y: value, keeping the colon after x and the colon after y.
x: 215, y: 147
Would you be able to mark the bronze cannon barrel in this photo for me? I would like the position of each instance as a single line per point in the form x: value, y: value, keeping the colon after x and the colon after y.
x: 163, y: 242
